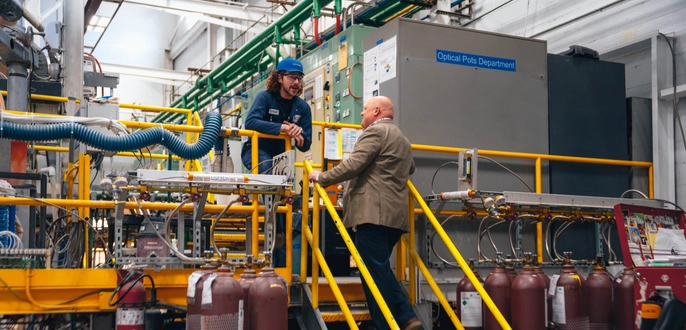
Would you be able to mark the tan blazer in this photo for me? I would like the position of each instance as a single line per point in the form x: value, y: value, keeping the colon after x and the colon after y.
x: 378, y: 170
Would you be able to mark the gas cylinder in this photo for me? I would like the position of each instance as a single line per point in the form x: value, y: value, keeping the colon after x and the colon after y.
x: 222, y: 301
x: 598, y: 292
x: 569, y: 309
x: 148, y: 244
x: 623, y: 309
x: 247, y: 278
x: 511, y: 271
x: 549, y: 298
x: 498, y: 285
x: 131, y: 305
x: 194, y: 295
x: 268, y: 302
x: 528, y: 301
x: 469, y: 310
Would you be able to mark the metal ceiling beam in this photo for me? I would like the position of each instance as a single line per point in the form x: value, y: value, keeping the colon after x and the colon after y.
x: 90, y: 9
x: 51, y: 10
x: 185, y: 40
x: 259, y: 27
x: 162, y: 76
x: 208, y: 8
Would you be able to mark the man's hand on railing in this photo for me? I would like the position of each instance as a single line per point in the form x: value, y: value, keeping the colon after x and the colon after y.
x: 314, y: 176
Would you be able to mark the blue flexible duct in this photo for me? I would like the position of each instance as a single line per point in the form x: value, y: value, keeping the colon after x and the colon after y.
x: 135, y: 141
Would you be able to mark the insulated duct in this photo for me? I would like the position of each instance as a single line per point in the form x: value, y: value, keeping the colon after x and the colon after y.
x: 135, y: 141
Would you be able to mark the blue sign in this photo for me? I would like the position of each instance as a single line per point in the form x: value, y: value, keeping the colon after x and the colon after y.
x: 378, y: 42
x: 343, y: 38
x: 479, y: 61
x: 325, y: 46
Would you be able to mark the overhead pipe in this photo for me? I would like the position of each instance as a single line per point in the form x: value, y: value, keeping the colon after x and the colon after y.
x: 337, y: 8
x: 388, y: 11
x: 264, y: 35
x: 253, y: 47
x: 317, y: 14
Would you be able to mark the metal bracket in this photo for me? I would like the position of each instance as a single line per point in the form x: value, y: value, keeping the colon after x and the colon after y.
x: 198, y: 210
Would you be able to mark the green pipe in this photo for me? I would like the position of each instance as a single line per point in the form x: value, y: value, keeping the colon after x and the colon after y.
x: 159, y: 118
x: 298, y: 14
x: 239, y: 70
x: 235, y: 65
x: 388, y: 14
x: 388, y: 11
x: 266, y: 34
x: 375, y: 10
x: 316, y: 6
x: 337, y: 7
x: 229, y: 65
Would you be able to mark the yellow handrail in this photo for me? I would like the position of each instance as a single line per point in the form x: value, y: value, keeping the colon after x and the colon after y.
x: 317, y: 253
x: 458, y: 257
x: 353, y: 251
x: 434, y: 287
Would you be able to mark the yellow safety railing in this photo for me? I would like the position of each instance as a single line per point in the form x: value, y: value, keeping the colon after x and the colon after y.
x: 319, y: 191
x: 456, y: 254
x: 538, y: 158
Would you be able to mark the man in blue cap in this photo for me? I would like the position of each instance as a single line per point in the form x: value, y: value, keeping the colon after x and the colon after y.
x: 279, y: 109
x: 275, y: 110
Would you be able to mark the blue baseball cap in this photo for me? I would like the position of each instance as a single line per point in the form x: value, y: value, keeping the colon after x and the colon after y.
x: 290, y: 65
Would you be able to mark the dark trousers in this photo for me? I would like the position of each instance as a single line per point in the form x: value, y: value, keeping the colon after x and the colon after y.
x: 375, y: 244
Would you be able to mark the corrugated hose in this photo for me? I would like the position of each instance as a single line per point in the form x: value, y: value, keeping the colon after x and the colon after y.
x: 135, y: 141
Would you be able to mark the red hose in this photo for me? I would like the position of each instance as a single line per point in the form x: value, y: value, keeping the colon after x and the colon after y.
x: 316, y: 31
x: 338, y: 24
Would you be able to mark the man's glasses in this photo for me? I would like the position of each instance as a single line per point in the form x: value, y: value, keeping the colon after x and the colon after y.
x: 295, y: 77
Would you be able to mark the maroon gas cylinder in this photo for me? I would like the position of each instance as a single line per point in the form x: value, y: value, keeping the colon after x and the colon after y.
x: 623, y: 288
x: 498, y: 285
x: 511, y: 271
x: 528, y: 301
x: 247, y: 278
x: 131, y: 307
x: 469, y: 310
x: 598, y: 292
x: 268, y: 302
x: 569, y: 305
x: 193, y: 298
x: 549, y: 298
x: 222, y: 301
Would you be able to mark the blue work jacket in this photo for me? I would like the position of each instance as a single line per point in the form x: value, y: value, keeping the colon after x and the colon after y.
x: 268, y: 112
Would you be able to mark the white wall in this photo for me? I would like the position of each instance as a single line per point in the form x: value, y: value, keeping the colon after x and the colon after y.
x: 138, y: 36
x: 601, y: 25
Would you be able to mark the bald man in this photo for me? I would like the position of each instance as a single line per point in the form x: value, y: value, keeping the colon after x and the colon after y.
x: 375, y: 204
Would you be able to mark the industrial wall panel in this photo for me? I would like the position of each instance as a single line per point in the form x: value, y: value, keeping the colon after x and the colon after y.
x: 448, y: 104
x: 453, y: 105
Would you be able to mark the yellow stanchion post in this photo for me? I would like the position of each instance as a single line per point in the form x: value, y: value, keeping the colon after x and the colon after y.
x: 460, y: 260
x: 392, y: 323
x: 315, y: 245
x: 410, y: 247
x: 304, y: 224
x: 539, y: 224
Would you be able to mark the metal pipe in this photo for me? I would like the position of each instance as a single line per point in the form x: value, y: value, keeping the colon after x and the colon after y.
x: 539, y: 224
x: 508, y: 154
x: 17, y: 86
x: 70, y: 203
x: 304, y: 224
x: 125, y: 154
x: 315, y: 241
x: 460, y: 260
x: 33, y: 20
x: 353, y: 251
x: 410, y: 246
x: 73, y: 21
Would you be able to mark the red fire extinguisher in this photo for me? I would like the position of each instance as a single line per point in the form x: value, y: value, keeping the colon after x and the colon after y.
x: 130, y: 314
